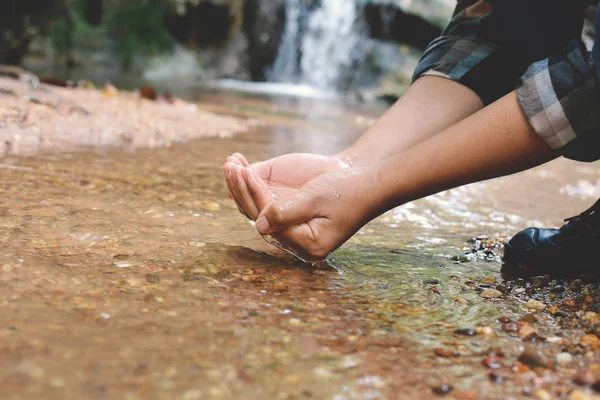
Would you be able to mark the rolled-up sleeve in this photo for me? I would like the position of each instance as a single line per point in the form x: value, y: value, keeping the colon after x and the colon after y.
x: 473, y: 52
x: 496, y: 47
x: 560, y: 98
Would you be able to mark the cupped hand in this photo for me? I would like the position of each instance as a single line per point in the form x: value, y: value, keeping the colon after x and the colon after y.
x: 316, y: 217
x: 280, y: 174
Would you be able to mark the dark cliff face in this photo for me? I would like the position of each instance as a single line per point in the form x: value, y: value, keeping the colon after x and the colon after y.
x: 20, y: 22
x: 204, y: 25
x: 264, y: 23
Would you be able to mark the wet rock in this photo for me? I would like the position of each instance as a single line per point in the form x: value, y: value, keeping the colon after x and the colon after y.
x: 564, y: 359
x: 442, y: 389
x: 492, y: 362
x: 491, y: 294
x: 148, y: 93
x: 542, y: 395
x: 554, y: 310
x: 533, y: 304
x: 484, y: 331
x: 569, y: 303
x: 496, y: 378
x: 525, y: 330
x: 504, y: 320
x: 528, y: 318
x: 590, y: 341
x: 540, y: 281
x: 587, y: 377
x: 465, y: 332
x: 491, y: 280
x: 510, y: 327
x: 465, y: 395
x: 520, y: 368
x: 445, y: 353
x: 461, y: 300
x: 533, y: 358
x: 591, y: 317
x: 579, y: 395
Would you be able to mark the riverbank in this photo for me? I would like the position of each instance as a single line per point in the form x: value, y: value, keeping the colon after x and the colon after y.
x: 36, y: 116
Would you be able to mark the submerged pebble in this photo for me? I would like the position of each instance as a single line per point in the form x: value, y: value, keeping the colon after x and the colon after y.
x: 533, y: 304
x: 442, y: 389
x: 533, y: 358
x: 465, y: 332
x: 564, y: 359
x: 491, y: 294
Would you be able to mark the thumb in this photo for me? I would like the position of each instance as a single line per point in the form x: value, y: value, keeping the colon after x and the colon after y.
x: 281, y: 215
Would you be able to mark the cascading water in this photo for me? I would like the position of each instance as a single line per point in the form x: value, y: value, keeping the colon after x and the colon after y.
x: 323, y: 43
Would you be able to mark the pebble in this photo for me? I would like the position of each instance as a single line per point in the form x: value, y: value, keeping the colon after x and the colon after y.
x: 484, y: 331
x: 441, y: 389
x: 445, y: 353
x: 510, y: 327
x: 294, y: 322
x: 579, y: 395
x: 491, y: 294
x: 591, y: 341
x: 494, y: 377
x: 461, y: 300
x: 465, y: 332
x: 492, y: 362
x: 564, y: 359
x: 491, y: 280
x: 525, y: 330
x: 543, y: 395
x: 590, y: 316
x: 535, y: 305
x: 533, y: 358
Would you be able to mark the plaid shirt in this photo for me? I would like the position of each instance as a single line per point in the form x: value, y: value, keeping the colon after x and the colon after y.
x: 544, y: 49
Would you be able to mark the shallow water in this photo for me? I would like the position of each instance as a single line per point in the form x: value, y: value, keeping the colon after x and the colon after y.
x: 131, y: 275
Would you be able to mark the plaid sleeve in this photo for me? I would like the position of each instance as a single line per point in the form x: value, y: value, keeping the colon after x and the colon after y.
x: 560, y: 98
x: 471, y: 51
x: 492, y: 50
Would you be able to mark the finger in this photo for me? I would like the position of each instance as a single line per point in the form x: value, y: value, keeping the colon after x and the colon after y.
x: 261, y: 195
x: 231, y: 185
x: 279, y: 215
x: 264, y: 168
x: 240, y: 157
x: 234, y: 160
x: 236, y: 192
x: 244, y: 193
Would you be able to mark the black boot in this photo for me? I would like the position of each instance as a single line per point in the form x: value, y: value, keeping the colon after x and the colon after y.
x: 571, y: 251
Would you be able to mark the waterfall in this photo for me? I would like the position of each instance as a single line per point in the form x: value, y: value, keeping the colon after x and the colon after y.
x: 323, y: 43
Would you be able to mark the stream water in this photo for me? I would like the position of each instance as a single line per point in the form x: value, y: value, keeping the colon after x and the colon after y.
x: 131, y: 275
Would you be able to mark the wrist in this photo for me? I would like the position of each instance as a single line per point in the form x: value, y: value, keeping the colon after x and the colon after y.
x: 377, y: 181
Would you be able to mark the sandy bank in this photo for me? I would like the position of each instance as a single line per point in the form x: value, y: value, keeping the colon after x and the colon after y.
x: 36, y: 117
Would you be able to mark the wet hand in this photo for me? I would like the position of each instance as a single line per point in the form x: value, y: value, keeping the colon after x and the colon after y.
x: 317, y: 217
x: 280, y: 174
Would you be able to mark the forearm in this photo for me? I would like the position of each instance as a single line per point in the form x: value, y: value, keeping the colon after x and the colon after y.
x: 495, y: 141
x: 429, y: 106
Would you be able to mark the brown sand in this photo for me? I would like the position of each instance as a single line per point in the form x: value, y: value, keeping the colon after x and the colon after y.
x: 38, y: 117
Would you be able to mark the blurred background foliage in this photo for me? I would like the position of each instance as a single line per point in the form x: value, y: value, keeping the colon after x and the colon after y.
x: 334, y: 44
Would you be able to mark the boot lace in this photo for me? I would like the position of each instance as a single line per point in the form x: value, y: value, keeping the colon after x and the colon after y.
x: 589, y: 219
